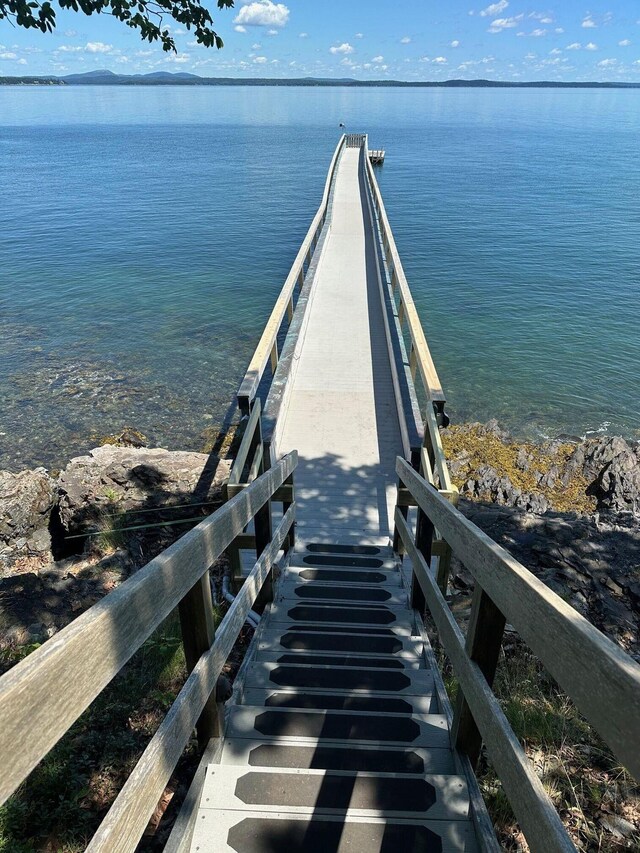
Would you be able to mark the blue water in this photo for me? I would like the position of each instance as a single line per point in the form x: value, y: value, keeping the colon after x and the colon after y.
x: 145, y: 233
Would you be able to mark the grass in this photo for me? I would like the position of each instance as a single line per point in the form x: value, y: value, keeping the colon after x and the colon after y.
x: 64, y: 799
x: 580, y: 774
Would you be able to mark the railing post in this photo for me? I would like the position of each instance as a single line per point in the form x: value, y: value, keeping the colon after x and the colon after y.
x: 263, y: 531
x: 291, y: 537
x: 484, y: 640
x: 198, y: 631
x: 424, y: 540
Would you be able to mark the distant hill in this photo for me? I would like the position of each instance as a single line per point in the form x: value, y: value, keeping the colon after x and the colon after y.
x: 183, y: 78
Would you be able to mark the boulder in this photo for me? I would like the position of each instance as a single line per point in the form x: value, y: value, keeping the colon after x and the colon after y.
x: 131, y: 478
x: 26, y: 501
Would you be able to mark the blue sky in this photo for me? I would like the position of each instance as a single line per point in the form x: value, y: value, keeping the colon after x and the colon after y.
x: 366, y: 39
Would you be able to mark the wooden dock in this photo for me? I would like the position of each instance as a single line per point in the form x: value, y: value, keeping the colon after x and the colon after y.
x: 376, y: 157
x: 339, y: 526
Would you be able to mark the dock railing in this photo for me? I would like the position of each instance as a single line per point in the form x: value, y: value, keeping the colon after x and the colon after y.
x: 267, y: 349
x: 429, y: 457
x: 43, y: 695
x: 602, y: 680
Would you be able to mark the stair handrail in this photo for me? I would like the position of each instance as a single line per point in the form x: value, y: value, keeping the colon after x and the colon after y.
x: 602, y: 680
x: 43, y: 695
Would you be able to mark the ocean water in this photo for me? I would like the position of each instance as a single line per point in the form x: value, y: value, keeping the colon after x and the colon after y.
x: 145, y: 233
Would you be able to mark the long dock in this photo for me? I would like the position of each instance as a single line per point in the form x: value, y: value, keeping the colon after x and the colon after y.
x: 339, y: 528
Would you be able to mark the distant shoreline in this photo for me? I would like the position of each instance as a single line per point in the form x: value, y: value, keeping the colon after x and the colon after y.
x: 164, y: 78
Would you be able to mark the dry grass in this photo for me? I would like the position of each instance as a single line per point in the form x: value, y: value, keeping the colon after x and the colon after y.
x: 598, y: 801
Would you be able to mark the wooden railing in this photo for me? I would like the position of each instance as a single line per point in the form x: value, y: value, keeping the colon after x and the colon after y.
x: 252, y: 460
x: 267, y: 348
x: 41, y: 697
x: 429, y: 457
x: 595, y: 673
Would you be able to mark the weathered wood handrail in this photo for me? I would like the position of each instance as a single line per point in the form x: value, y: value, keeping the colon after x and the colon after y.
x: 602, y: 680
x: 50, y: 689
x: 267, y: 348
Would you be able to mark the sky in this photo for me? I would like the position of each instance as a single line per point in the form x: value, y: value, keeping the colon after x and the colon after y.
x: 560, y: 40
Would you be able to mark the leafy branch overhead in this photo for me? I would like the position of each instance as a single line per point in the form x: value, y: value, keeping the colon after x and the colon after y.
x: 146, y: 16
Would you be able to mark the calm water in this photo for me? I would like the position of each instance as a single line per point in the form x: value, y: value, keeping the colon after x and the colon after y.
x: 144, y: 234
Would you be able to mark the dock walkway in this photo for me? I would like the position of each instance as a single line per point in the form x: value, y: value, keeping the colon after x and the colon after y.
x: 342, y: 415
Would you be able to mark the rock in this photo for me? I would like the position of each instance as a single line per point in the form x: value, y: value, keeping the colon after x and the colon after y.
x: 617, y: 486
x: 26, y: 502
x: 117, y: 479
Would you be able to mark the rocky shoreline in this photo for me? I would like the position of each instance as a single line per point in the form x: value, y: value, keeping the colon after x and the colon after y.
x: 569, y: 510
x: 68, y: 539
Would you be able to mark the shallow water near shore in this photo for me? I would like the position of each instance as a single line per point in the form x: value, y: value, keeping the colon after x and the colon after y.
x: 145, y: 233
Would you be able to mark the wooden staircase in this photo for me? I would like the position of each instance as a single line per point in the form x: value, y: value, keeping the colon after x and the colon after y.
x: 336, y: 740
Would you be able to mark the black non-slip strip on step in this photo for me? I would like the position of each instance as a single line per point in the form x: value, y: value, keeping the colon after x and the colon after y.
x: 342, y: 549
x: 335, y: 791
x: 340, y: 660
x: 333, y: 758
x: 377, y: 680
x: 342, y: 576
x: 340, y: 629
x: 340, y: 643
x: 333, y: 702
x: 261, y: 834
x: 356, y: 593
x: 335, y: 726
x: 321, y: 560
x: 344, y: 615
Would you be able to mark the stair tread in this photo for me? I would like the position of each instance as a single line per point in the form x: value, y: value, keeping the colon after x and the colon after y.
x: 255, y: 831
x: 337, y: 755
x: 339, y: 700
x: 322, y: 642
x: 313, y: 726
x: 351, y: 679
x: 356, y: 793
x: 332, y: 613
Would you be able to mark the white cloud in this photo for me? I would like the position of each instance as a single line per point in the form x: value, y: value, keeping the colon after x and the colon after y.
x: 68, y: 48
x: 555, y: 52
x: 455, y: 43
x: 240, y: 29
x: 345, y: 47
x: 505, y: 23
x: 378, y: 59
x: 624, y: 42
x: 494, y: 9
x: 588, y: 22
x: 405, y: 40
x: 359, y: 35
x: 22, y: 62
x: 439, y: 60
x: 574, y: 46
x: 607, y: 63
x: 591, y: 46
x: 98, y: 47
x: 8, y: 55
x: 537, y: 33
x: 262, y: 13
x: 256, y: 46
x: 272, y: 32
x: 559, y: 29
x: 259, y: 60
